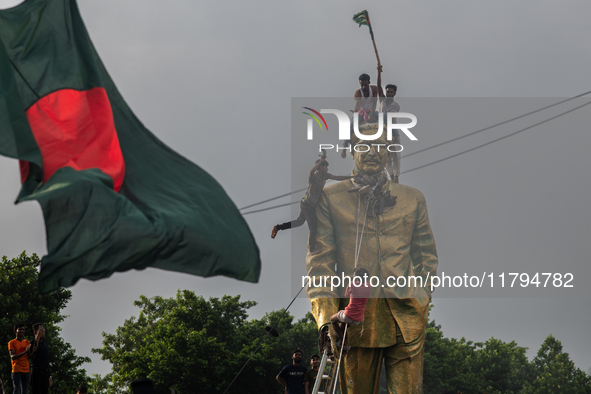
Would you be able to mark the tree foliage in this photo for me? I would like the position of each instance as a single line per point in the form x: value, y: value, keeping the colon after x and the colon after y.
x: 497, y: 367
x: 198, y: 345
x: 21, y: 302
x: 555, y: 373
x: 188, y: 342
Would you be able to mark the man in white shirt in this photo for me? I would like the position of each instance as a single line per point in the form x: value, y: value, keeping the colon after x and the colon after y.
x: 365, y: 101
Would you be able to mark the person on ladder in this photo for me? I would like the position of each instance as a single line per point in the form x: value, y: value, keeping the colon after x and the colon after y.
x: 353, y: 313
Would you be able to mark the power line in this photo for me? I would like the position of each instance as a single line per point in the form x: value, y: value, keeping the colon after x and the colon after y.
x: 271, y: 199
x: 421, y: 150
x: 496, y: 140
x: 498, y: 124
x: 449, y: 157
x: 269, y: 208
x: 274, y: 206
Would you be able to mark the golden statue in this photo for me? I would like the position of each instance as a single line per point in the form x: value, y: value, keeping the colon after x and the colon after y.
x: 382, y: 226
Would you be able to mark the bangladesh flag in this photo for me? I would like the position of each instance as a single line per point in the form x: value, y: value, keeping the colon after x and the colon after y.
x: 362, y: 18
x: 113, y: 196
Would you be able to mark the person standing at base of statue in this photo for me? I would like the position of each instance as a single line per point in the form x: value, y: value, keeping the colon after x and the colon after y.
x: 311, y: 375
x: 292, y: 375
x: 318, y: 176
x: 18, y: 349
x: 383, y: 226
x: 41, y: 378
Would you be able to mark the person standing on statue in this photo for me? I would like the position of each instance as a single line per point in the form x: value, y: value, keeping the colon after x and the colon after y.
x: 382, y: 226
x: 365, y: 102
x: 318, y: 176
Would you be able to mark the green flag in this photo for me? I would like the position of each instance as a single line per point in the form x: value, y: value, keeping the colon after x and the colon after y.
x: 362, y: 18
x: 114, y: 197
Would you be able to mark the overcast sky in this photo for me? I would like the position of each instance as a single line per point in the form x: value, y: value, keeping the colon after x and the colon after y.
x: 215, y: 80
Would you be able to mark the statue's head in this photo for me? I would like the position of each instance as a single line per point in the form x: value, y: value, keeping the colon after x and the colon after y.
x: 369, y: 158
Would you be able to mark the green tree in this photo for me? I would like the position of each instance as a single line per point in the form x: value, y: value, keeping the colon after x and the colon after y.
x: 448, y: 365
x: 188, y: 342
x: 501, y: 367
x: 555, y: 373
x: 453, y: 365
x: 21, y: 302
x: 103, y: 385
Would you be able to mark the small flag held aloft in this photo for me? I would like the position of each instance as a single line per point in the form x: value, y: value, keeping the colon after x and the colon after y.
x: 362, y: 18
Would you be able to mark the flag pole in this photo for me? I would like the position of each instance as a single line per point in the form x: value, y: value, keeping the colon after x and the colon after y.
x: 376, y: 49
x: 362, y: 18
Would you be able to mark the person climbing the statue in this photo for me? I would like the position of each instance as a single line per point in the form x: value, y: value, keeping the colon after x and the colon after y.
x: 354, y: 313
x: 318, y: 176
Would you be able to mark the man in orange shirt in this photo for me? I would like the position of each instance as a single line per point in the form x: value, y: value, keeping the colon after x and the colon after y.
x: 18, y: 349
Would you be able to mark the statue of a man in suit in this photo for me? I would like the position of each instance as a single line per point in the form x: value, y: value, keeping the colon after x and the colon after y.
x: 382, y: 226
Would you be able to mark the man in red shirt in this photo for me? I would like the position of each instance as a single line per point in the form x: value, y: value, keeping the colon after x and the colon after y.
x: 353, y: 313
x: 18, y: 349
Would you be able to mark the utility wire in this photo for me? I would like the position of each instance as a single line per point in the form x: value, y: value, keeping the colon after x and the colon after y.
x: 498, y: 124
x: 271, y: 199
x: 274, y: 206
x: 452, y: 156
x: 423, y: 150
x: 496, y: 140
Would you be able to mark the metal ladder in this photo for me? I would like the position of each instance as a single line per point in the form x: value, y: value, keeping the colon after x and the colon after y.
x: 322, y: 377
x: 331, y: 378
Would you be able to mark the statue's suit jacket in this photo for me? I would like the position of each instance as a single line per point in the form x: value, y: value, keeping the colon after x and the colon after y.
x: 397, y: 243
